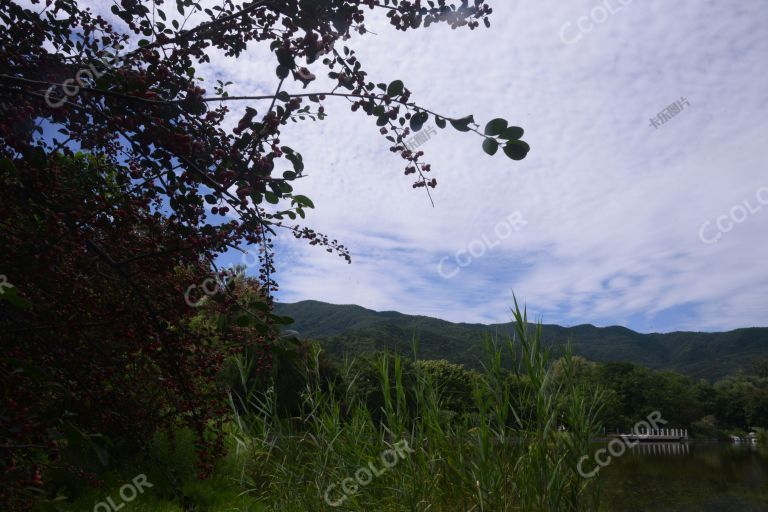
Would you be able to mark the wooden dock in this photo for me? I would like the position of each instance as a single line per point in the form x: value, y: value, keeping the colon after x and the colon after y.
x: 662, y: 435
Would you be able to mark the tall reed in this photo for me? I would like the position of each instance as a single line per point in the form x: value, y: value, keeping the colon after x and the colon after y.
x: 515, y: 449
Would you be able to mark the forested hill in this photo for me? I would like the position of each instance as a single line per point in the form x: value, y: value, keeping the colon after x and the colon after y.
x: 356, y: 330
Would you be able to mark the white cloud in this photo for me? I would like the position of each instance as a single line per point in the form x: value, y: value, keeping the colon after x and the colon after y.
x: 614, y: 206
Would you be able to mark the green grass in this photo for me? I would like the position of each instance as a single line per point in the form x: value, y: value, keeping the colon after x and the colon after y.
x: 503, y: 454
x: 169, y: 468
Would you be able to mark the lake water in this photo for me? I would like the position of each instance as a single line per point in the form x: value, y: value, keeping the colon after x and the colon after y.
x: 693, y: 477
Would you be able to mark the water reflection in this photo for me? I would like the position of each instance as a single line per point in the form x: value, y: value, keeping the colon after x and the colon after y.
x: 687, y: 477
x: 660, y: 449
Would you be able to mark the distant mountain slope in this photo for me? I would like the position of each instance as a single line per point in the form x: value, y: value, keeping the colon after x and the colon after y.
x: 355, y: 330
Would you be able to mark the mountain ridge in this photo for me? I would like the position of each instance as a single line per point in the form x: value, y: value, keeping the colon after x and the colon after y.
x: 353, y: 329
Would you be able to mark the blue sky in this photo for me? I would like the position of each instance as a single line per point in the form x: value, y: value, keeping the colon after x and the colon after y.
x: 611, y: 213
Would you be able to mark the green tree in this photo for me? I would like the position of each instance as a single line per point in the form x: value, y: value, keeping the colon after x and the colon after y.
x: 731, y: 396
x: 454, y: 384
x: 760, y: 367
x: 756, y: 407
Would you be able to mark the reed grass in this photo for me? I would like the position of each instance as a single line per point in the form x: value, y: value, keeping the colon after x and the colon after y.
x: 509, y: 452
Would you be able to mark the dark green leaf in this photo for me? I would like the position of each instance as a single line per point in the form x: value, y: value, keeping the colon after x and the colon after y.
x: 512, y: 133
x: 418, y: 120
x: 303, y: 201
x: 516, y: 149
x: 295, y: 159
x: 462, y: 124
x: 490, y: 146
x: 495, y: 126
x: 395, y: 88
x: 284, y: 58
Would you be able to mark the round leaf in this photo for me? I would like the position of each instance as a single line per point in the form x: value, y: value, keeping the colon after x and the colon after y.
x: 512, y: 133
x: 516, y: 149
x: 418, y: 120
x: 495, y: 126
x: 395, y: 88
x: 490, y: 146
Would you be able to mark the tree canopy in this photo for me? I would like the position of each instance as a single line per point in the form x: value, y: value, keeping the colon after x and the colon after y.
x: 124, y: 179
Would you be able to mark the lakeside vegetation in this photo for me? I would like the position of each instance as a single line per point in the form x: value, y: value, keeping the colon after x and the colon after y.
x: 732, y: 404
x: 484, y: 441
x: 508, y: 437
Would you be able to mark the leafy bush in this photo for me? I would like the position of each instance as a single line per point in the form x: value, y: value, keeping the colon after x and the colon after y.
x: 97, y: 336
